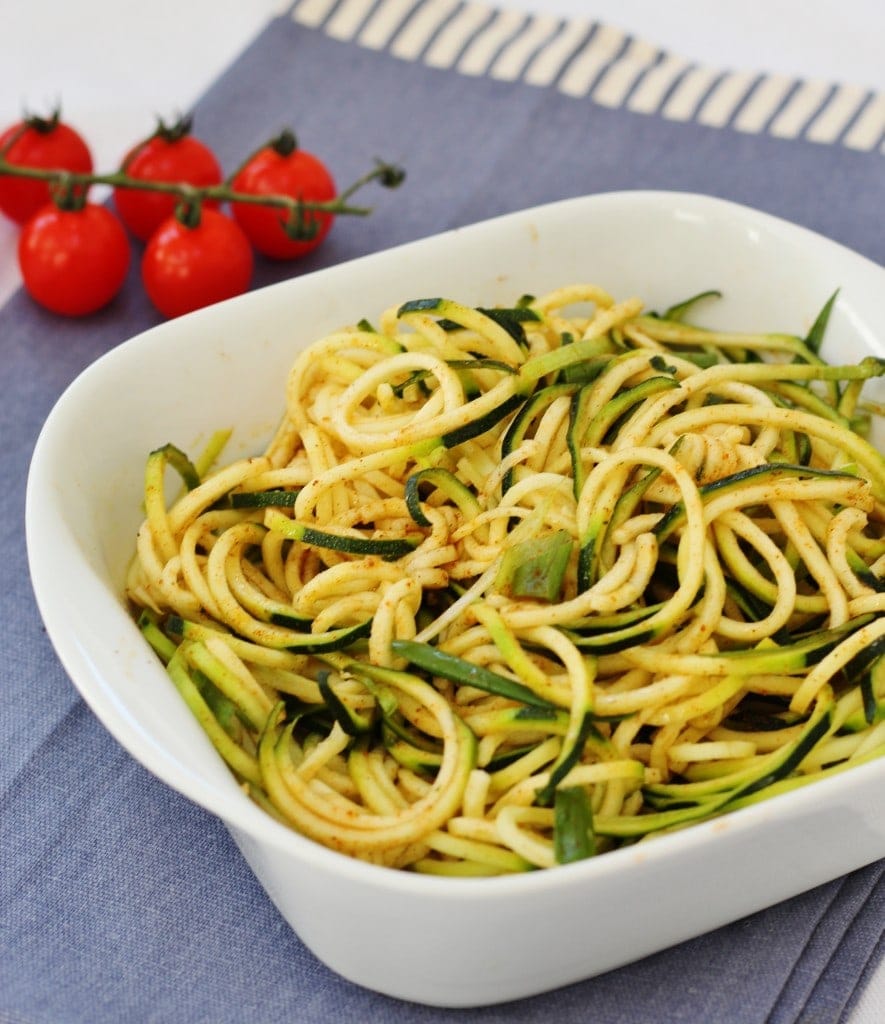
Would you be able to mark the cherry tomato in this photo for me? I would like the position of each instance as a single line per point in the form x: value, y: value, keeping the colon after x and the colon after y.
x: 73, y: 261
x: 280, y: 168
x: 38, y: 142
x: 185, y: 268
x: 171, y: 154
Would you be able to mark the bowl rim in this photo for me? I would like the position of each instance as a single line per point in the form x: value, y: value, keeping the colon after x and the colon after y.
x: 244, y: 815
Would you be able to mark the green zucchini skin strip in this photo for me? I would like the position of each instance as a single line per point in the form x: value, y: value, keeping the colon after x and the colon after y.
x: 521, y: 423
x: 680, y: 310
x: 170, y: 455
x: 775, y: 769
x: 396, y: 730
x: 625, y: 507
x: 787, y: 659
x: 866, y: 672
x: 481, y: 424
x: 464, y: 366
x: 531, y: 719
x: 566, y: 762
x: 390, y: 550
x: 420, y: 306
x: 353, y: 723
x: 621, y: 405
x: 263, y: 499
x: 409, y: 755
x: 481, y: 364
x: 794, y: 657
x: 238, y: 760
x: 864, y: 573
x: 211, y: 451
x: 308, y: 643
x: 444, y: 481
x: 291, y: 621
x: 594, y: 547
x: 511, y: 320
x: 610, y: 642
x: 872, y: 687
x: 248, y: 706
x: 578, y: 420
x: 773, y: 472
x: 815, y: 336
x: 153, y: 633
x: 600, y: 624
x: 790, y: 658
x: 457, y: 670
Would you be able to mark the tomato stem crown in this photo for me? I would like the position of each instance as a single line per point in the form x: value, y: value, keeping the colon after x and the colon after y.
x: 176, y: 131
x: 44, y: 125
x: 285, y: 143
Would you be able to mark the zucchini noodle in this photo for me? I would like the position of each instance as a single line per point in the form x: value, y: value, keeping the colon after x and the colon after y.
x: 513, y: 587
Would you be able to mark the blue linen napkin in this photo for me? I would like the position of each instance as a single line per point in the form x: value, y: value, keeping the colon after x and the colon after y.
x: 120, y: 900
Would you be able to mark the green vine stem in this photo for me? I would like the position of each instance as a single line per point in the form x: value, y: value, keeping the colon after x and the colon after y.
x: 70, y: 187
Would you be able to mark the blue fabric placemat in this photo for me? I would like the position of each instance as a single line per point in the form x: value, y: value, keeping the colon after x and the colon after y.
x: 120, y: 900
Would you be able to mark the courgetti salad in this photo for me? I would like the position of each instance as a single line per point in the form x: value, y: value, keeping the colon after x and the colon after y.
x: 513, y: 587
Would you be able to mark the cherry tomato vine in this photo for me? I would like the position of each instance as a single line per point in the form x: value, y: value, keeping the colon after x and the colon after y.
x: 169, y: 192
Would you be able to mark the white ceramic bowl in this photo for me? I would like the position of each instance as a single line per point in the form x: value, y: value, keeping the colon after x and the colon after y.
x: 436, y: 940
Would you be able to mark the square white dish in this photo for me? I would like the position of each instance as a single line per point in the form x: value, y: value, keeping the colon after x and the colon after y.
x: 442, y: 941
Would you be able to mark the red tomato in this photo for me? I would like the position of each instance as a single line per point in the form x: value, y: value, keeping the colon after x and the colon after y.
x: 170, y: 154
x: 185, y: 268
x: 282, y: 169
x: 73, y: 261
x: 47, y: 143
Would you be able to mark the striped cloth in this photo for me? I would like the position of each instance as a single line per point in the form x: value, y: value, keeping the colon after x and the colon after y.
x: 604, y: 64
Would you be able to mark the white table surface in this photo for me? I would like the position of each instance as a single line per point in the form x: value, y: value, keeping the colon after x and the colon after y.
x: 115, y: 65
